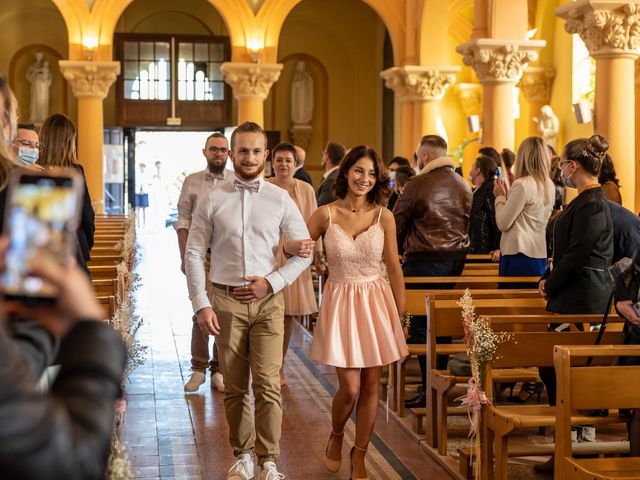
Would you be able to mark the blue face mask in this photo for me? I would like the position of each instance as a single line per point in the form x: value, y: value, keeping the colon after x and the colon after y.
x: 28, y: 156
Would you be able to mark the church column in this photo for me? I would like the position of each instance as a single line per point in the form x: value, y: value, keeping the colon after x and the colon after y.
x: 405, y: 144
x: 535, y: 84
x: 90, y: 83
x: 637, y: 131
x: 611, y: 32
x: 424, y: 87
x: 251, y: 83
x: 470, y: 96
x: 498, y: 65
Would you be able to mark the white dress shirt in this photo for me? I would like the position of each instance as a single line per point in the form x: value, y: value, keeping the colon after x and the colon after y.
x: 243, y: 230
x: 195, y: 186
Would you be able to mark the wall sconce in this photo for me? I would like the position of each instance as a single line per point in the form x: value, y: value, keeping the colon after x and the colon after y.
x: 89, y: 45
x: 254, y: 50
x: 583, y: 112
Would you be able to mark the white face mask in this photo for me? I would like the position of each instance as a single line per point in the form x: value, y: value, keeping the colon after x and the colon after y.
x: 28, y: 156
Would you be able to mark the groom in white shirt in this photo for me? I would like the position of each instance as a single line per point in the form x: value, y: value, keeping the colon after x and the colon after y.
x: 241, y: 221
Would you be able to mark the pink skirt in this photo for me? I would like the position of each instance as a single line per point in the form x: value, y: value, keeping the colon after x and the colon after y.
x: 358, y: 325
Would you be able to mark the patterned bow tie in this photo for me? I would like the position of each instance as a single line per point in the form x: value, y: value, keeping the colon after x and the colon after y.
x: 210, y: 177
x: 252, y: 187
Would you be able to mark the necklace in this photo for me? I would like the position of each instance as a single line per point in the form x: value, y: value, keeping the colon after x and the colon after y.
x: 350, y: 208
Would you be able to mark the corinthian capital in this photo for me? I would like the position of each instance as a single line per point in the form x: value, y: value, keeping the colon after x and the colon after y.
x: 418, y: 83
x: 470, y: 95
x: 536, y: 83
x: 251, y: 79
x: 496, y: 60
x: 90, y: 79
x: 605, y: 27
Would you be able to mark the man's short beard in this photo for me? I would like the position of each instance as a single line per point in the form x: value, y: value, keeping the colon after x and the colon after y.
x: 216, y: 168
x: 238, y: 173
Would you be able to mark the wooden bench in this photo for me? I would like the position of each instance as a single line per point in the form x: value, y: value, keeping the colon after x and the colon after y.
x: 589, y: 388
x: 104, y: 287
x: 529, y: 349
x: 473, y: 282
x: 103, y: 272
x: 104, y: 260
x: 108, y: 302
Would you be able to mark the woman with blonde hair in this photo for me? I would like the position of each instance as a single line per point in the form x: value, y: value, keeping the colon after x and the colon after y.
x: 523, y: 210
x: 58, y: 134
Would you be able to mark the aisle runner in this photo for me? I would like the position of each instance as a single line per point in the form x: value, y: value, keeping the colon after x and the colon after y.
x: 381, y: 462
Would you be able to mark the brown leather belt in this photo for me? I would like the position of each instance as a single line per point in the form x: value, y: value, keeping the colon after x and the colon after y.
x: 227, y: 288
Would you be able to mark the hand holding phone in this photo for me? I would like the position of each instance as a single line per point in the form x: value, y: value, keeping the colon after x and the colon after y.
x: 41, y: 219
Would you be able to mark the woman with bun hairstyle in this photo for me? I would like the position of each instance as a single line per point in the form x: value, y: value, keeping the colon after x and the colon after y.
x: 609, y: 181
x: 577, y: 279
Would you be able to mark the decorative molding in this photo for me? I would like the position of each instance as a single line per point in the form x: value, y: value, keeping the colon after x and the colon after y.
x: 251, y: 80
x: 89, y: 79
x: 470, y: 96
x: 536, y: 83
x: 496, y: 60
x: 605, y: 27
x: 413, y: 83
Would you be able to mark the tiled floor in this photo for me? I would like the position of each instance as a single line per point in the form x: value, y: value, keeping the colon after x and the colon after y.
x: 173, y: 435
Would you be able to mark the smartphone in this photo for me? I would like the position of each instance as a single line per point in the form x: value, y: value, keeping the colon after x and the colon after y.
x: 41, y: 219
x: 636, y: 308
x: 498, y: 172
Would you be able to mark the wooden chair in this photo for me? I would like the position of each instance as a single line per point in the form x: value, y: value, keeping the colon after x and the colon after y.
x: 586, y: 388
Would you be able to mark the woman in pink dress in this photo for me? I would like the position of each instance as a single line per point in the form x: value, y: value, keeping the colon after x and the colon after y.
x: 299, y: 297
x: 359, y: 329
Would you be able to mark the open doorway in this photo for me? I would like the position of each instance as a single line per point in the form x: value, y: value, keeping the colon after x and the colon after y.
x: 162, y: 161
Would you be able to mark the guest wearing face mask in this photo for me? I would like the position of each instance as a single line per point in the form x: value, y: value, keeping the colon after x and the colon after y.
x: 484, y: 234
x: 26, y: 146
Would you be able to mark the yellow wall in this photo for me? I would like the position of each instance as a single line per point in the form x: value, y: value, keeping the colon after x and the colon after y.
x: 349, y: 46
x: 29, y: 26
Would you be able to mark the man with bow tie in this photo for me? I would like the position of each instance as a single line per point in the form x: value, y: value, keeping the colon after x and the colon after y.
x: 241, y: 221
x: 195, y: 187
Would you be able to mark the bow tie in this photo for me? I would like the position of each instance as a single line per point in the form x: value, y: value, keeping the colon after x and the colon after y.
x: 252, y: 187
x: 210, y: 177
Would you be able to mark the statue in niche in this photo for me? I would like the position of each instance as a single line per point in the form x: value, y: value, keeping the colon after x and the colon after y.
x: 39, y: 76
x: 301, y: 95
x: 548, y: 125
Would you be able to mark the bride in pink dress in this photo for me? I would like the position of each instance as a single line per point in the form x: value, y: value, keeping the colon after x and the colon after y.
x: 359, y: 329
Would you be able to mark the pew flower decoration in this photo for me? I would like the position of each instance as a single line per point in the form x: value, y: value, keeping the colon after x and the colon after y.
x: 482, y: 344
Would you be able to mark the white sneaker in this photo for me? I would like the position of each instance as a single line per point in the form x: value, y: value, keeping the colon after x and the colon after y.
x: 217, y: 382
x: 242, y: 469
x: 587, y: 434
x: 197, y: 379
x: 269, y: 471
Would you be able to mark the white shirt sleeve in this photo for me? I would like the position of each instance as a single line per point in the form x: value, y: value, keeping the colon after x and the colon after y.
x: 199, y: 240
x: 185, y: 207
x: 293, y: 228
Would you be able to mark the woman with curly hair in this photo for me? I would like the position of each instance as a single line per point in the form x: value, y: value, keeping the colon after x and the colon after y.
x: 359, y: 329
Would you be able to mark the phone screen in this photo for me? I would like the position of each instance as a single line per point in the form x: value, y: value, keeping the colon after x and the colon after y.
x: 41, y: 219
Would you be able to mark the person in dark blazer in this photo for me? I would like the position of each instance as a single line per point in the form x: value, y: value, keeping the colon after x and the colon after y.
x: 331, y: 157
x: 626, y: 232
x: 577, y: 279
x: 484, y: 234
x: 301, y: 173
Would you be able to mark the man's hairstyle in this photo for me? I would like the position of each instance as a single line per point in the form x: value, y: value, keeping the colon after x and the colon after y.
x: 248, y: 127
x: 335, y: 152
x: 492, y: 153
x: 509, y: 157
x: 27, y: 126
x: 487, y: 167
x: 403, y: 174
x: 285, y: 147
x: 401, y: 161
x: 434, y: 142
x: 380, y: 192
x: 214, y: 135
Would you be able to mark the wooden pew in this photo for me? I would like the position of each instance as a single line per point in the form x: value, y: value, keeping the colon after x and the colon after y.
x: 473, y: 282
x: 104, y: 287
x: 103, y: 272
x: 529, y: 349
x: 108, y: 302
x: 105, y: 260
x: 479, y: 258
x: 588, y: 388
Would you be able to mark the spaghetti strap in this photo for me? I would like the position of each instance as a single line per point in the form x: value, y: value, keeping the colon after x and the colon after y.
x: 379, y: 214
x: 330, y: 220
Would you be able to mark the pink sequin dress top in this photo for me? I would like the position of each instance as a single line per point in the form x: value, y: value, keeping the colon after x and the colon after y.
x: 358, y: 324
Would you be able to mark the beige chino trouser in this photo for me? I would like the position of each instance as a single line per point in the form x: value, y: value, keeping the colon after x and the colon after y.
x: 250, y: 341
x: 200, y: 340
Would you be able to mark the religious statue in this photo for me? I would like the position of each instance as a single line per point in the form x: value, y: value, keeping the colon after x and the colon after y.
x: 548, y: 126
x: 39, y: 76
x: 301, y: 95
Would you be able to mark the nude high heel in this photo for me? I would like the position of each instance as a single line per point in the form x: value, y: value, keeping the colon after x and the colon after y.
x: 355, y: 447
x: 332, y: 465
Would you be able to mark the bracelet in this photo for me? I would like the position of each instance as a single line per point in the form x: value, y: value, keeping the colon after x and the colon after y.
x: 406, y: 320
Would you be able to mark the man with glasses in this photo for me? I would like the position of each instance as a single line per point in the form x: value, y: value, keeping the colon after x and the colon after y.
x: 26, y: 146
x: 196, y: 186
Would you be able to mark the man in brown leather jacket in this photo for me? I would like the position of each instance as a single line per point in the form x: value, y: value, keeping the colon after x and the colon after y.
x: 432, y: 216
